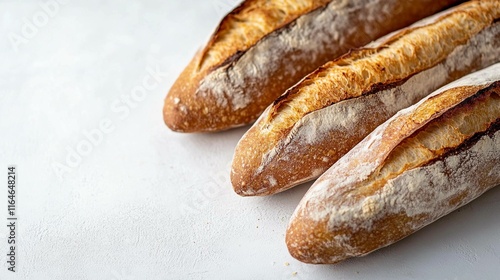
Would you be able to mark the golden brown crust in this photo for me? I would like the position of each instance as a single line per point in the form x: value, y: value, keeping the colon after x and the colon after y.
x: 421, y: 164
x: 235, y: 84
x: 239, y: 30
x: 397, y: 58
x: 248, y: 23
x: 273, y: 156
x: 474, y: 115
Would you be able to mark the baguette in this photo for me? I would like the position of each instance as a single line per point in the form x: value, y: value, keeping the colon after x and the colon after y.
x: 423, y: 163
x: 321, y: 118
x: 263, y: 47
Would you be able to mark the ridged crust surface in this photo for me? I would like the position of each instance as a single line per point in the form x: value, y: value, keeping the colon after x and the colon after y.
x: 294, y: 141
x: 250, y: 22
x: 219, y: 89
x: 423, y: 163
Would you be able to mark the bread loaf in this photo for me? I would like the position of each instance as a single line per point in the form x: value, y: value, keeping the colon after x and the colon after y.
x: 418, y: 166
x: 263, y: 47
x: 318, y: 120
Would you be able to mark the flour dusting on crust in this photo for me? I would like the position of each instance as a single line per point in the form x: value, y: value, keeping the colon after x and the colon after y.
x: 359, y: 163
x: 226, y: 84
x: 359, y: 205
x: 315, y: 128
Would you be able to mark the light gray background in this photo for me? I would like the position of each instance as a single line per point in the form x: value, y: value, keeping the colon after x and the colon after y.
x: 147, y: 203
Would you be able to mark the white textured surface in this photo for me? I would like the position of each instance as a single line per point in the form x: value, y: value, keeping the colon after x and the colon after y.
x: 147, y: 203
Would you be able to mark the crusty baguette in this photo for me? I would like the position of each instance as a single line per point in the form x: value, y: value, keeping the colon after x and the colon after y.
x: 420, y: 165
x: 321, y: 118
x: 263, y: 47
